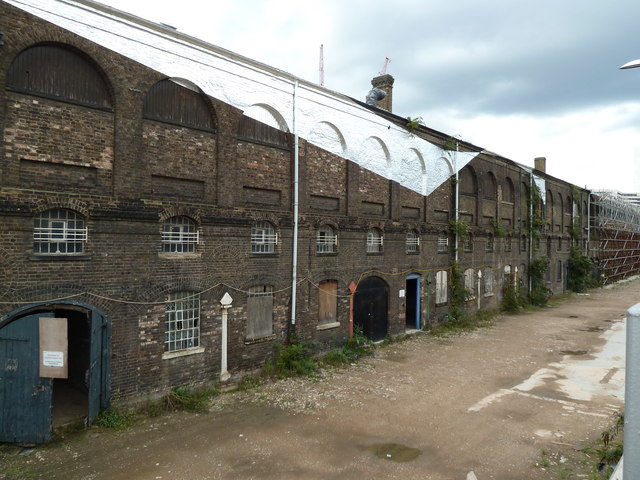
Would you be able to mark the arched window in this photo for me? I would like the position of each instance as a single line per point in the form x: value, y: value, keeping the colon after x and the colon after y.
x: 59, y: 72
x: 375, y: 241
x: 263, y: 238
x: 490, y: 189
x: 326, y: 240
x: 508, y: 194
x: 412, y: 243
x: 468, y: 183
x: 178, y: 102
x: 467, y: 243
x: 59, y: 232
x: 182, y: 321
x: 490, y: 243
x: 179, y: 235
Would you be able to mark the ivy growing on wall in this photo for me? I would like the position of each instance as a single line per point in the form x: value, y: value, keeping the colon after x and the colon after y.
x: 540, y: 293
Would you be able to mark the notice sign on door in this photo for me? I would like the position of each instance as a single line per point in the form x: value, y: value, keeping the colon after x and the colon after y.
x: 53, y: 348
x: 52, y: 359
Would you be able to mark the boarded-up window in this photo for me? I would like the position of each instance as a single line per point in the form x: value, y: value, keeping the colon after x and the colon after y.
x: 487, y: 275
x: 168, y: 101
x: 469, y: 278
x: 259, y: 312
x: 328, y: 302
x: 441, y: 286
x: 254, y: 131
x: 58, y: 72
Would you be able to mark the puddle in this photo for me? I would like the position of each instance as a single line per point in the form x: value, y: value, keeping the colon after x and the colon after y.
x: 592, y: 329
x: 573, y: 352
x: 392, y: 451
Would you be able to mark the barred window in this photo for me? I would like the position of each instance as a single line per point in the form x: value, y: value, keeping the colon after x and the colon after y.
x: 179, y: 235
x: 263, y: 238
x: 467, y: 243
x: 507, y: 243
x: 182, y: 324
x: 487, y: 275
x: 443, y: 243
x: 375, y: 241
x: 59, y: 232
x: 523, y: 243
x: 469, y: 283
x: 490, y: 242
x: 412, y: 243
x: 327, y: 240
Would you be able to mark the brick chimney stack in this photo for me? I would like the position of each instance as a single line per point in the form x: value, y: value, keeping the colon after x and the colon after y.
x: 384, y: 83
x: 540, y: 164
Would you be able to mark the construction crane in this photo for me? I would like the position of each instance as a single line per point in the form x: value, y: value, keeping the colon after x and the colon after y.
x: 384, y: 66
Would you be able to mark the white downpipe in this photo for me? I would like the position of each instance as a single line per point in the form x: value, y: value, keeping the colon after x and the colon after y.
x: 532, y: 197
x: 457, y: 203
x: 294, y: 268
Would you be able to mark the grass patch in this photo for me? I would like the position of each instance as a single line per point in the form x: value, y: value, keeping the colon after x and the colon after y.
x: 189, y: 400
x: 466, y: 323
x: 116, y: 419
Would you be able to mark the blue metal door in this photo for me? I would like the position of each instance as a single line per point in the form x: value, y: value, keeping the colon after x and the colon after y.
x: 99, y: 366
x: 25, y: 398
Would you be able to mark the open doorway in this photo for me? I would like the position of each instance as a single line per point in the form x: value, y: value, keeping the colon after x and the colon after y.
x: 70, y: 395
x: 412, y: 302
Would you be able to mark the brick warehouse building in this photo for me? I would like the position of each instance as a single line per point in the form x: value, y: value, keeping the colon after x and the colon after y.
x: 154, y: 187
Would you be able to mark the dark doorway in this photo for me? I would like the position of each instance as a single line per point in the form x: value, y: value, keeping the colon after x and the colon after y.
x: 70, y: 395
x: 26, y: 416
x: 370, y: 308
x: 412, y: 302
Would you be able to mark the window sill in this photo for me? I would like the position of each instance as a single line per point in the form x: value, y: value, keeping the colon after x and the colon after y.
x: 412, y: 253
x: 254, y: 341
x: 488, y: 294
x: 182, y: 353
x: 264, y: 255
x: 375, y: 253
x: 59, y: 257
x: 327, y: 254
x: 178, y: 256
x: 328, y: 326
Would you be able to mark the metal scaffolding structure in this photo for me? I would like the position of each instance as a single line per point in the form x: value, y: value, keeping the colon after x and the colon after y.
x: 614, y: 235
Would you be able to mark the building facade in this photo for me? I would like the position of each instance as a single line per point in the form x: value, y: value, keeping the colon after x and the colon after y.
x: 159, y: 213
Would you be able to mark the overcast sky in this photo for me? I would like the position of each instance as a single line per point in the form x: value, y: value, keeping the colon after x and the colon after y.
x: 523, y: 79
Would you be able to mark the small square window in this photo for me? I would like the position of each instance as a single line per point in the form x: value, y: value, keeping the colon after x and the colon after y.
x: 326, y: 240
x: 179, y: 235
x: 374, y: 241
x: 59, y: 232
x: 490, y: 243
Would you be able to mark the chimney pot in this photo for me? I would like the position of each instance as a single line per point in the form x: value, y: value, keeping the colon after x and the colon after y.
x: 540, y: 164
x: 384, y: 83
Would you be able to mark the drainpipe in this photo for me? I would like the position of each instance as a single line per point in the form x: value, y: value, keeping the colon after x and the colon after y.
x: 457, y: 203
x: 296, y: 187
x: 531, y: 198
x: 588, y: 223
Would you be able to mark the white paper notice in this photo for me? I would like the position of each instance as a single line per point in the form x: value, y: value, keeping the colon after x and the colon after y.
x: 52, y: 359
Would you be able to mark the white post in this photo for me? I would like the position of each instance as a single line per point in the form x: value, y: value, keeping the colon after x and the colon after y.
x: 226, y: 303
x: 631, y: 465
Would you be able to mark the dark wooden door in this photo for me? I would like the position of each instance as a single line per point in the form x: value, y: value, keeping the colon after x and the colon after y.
x: 25, y: 398
x: 370, y: 308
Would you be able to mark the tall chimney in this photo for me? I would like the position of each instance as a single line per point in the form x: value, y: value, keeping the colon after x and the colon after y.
x: 540, y: 163
x: 384, y: 83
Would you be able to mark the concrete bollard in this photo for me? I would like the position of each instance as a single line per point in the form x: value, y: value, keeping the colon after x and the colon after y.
x: 631, y: 464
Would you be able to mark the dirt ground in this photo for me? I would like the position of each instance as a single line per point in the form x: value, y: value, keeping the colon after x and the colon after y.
x: 492, y: 402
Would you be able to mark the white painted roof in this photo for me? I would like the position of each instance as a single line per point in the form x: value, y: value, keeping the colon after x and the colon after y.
x: 325, y: 118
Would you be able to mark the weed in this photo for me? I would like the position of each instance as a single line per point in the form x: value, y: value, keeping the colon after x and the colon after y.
x: 296, y: 359
x: 358, y: 346
x: 17, y: 472
x: 115, y: 419
x: 189, y: 400
x: 151, y: 409
x: 335, y: 358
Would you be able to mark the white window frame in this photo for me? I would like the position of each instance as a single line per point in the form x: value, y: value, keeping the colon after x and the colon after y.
x: 443, y: 243
x: 412, y: 243
x: 264, y: 238
x: 326, y: 239
x: 375, y: 241
x: 182, y: 322
x: 59, y: 232
x: 180, y: 235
